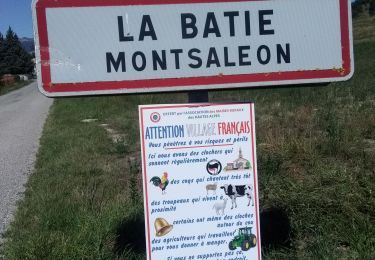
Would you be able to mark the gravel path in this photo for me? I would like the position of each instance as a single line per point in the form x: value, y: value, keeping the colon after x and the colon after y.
x: 22, y: 115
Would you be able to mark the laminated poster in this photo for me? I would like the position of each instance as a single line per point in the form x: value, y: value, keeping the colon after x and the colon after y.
x: 200, y: 181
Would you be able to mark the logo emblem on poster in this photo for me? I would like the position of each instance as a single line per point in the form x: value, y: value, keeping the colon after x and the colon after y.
x: 155, y: 117
x: 213, y: 167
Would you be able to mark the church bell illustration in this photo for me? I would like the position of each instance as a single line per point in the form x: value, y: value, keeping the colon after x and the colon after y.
x: 162, y: 227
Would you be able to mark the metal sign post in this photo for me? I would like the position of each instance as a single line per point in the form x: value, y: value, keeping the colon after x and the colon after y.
x: 197, y: 96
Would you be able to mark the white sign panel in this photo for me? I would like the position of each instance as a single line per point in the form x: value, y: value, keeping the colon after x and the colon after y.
x: 200, y: 181
x: 116, y: 46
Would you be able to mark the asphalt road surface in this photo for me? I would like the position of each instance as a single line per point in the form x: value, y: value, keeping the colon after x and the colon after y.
x: 22, y: 116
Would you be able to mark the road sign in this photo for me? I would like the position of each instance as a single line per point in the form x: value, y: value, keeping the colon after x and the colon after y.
x: 126, y: 46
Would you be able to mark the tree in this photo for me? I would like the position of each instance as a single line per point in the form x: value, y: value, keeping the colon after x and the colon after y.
x: 357, y: 8
x: 363, y: 6
x: 2, y: 50
x: 13, y: 58
x: 372, y: 7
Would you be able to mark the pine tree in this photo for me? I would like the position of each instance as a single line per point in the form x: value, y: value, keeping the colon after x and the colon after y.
x: 14, y: 59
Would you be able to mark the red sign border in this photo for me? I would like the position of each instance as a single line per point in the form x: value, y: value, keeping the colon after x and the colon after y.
x: 254, y: 163
x: 176, y: 84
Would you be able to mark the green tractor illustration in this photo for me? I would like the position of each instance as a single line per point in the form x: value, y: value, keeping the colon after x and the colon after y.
x: 244, y: 239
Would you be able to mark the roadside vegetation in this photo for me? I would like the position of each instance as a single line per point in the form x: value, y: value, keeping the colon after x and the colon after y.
x: 316, y: 160
x: 14, y: 86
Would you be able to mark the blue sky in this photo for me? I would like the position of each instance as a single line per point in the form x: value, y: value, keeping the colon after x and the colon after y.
x: 16, y: 14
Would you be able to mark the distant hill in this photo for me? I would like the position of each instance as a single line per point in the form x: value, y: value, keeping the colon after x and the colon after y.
x: 27, y: 44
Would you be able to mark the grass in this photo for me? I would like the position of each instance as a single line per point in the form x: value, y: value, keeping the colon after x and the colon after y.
x: 8, y: 88
x: 364, y: 28
x: 316, y: 157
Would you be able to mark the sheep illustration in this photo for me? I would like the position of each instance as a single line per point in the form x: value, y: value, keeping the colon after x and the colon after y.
x: 212, y: 187
x: 220, y: 206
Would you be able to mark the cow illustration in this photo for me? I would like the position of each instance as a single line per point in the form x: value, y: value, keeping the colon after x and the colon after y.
x: 236, y: 191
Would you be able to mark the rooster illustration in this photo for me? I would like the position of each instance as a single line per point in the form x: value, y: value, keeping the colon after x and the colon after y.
x: 162, y: 182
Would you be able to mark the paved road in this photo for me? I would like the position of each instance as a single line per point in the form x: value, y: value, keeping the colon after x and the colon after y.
x: 22, y: 115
